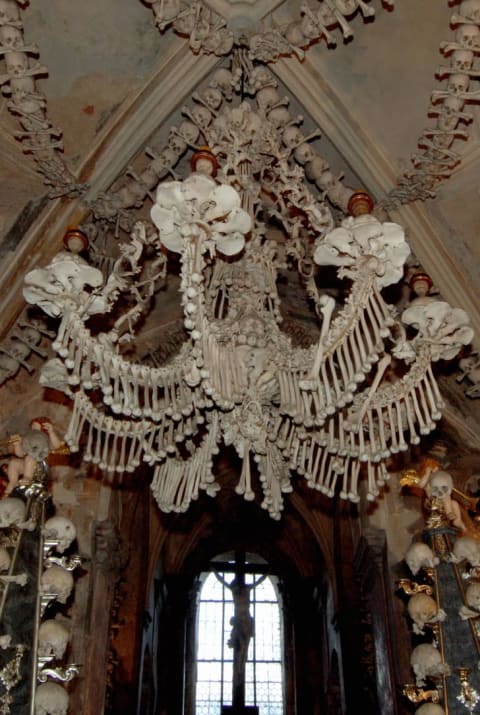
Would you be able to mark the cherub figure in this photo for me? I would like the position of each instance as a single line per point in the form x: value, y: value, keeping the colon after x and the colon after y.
x: 438, y: 487
x: 28, y: 450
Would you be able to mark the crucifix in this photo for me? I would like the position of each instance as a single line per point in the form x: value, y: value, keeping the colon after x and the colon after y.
x: 242, y: 622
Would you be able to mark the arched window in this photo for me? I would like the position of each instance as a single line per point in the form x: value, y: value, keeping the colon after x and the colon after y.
x: 239, y: 641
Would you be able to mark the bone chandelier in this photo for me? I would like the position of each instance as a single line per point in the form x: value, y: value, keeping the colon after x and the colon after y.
x: 331, y: 412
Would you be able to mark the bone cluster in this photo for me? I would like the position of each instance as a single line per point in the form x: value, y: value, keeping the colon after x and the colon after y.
x: 210, y: 34
x: 24, y: 341
x: 38, y: 136
x: 334, y: 412
x: 437, y: 156
x: 204, y: 119
x: 56, y: 587
x: 54, y: 539
x: 443, y: 594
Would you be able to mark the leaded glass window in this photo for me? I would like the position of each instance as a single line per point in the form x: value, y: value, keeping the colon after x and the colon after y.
x: 217, y: 643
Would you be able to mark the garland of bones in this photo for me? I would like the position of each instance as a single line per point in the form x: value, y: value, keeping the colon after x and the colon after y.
x: 434, y: 162
x: 238, y: 379
x: 311, y: 431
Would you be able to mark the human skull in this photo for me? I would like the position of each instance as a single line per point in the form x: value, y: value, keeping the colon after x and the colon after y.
x: 315, y: 168
x: 17, y: 349
x: 326, y: 181
x: 201, y: 116
x: 292, y: 136
x: 35, y: 444
x: 448, y: 117
x: 441, y: 484
x: 9, y: 12
x: 471, y: 10
x: 458, y: 83
x: 58, y: 581
x: 465, y: 548
x: 430, y: 709
x: 168, y: 157
x: 62, y: 530
x: 4, y: 559
x: 8, y: 367
x: 11, y: 37
x: 279, y: 117
x: 452, y: 105
x: 421, y: 609
x: 177, y: 143
x: 294, y: 34
x: 53, y: 639
x: 426, y: 661
x: 304, y: 153
x: 223, y: 80
x: 267, y: 97
x: 472, y: 595
x: 31, y: 335
x: 462, y: 60
x: 212, y: 97
x: 17, y: 63
x: 468, y: 36
x: 51, y: 699
x: 309, y: 28
x: 420, y: 556
x: 189, y: 131
x: 12, y: 512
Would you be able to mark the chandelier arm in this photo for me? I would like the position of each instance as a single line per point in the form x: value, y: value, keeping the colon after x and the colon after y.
x: 345, y: 353
x: 177, y: 481
x: 135, y: 390
x: 112, y: 434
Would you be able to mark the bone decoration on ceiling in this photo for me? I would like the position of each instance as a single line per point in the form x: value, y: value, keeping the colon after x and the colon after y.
x: 210, y: 32
x: 331, y: 412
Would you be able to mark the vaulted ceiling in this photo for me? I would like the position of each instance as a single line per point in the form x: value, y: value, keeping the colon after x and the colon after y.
x: 116, y: 85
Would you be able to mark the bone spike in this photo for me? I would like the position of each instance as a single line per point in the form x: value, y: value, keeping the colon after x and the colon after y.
x: 98, y: 443
x: 402, y: 445
x: 357, y: 334
x: 434, y: 411
x: 394, y: 447
x: 349, y: 365
x: 301, y: 463
x: 344, y: 490
x: 438, y: 398
x: 336, y: 384
x: 123, y: 446
x: 375, y: 455
x: 327, y: 311
x: 112, y: 461
x: 414, y: 438
x: 106, y: 433
x: 424, y: 427
x: 63, y: 333
x: 329, y: 406
x: 321, y: 476
x: 375, y: 326
x: 314, y: 476
x: 332, y: 482
x: 355, y: 470
x: 372, y: 355
x: 381, y: 430
x: 308, y: 471
x: 87, y: 454
x: 372, y: 485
